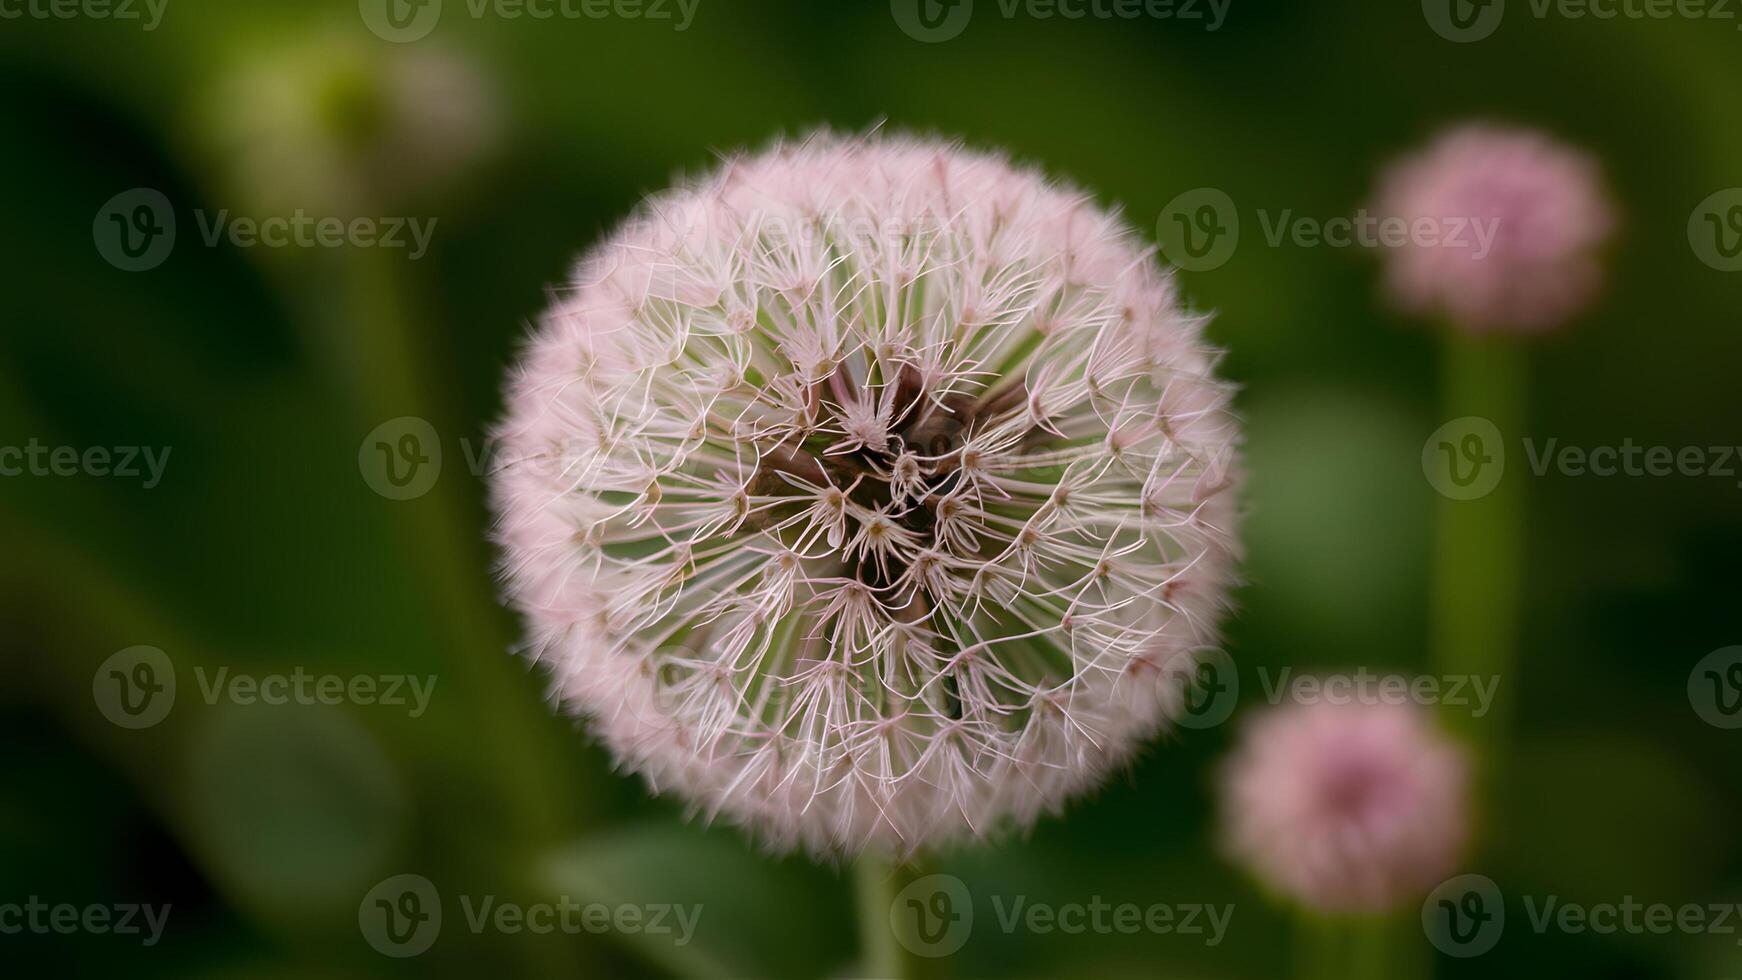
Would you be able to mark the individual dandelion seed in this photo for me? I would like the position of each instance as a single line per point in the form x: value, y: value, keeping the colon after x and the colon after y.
x: 869, y: 492
x: 1506, y: 229
x: 1347, y: 808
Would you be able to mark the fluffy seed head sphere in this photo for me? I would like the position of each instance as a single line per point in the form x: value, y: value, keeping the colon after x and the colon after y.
x: 871, y: 492
x: 1349, y: 807
x: 1543, y: 204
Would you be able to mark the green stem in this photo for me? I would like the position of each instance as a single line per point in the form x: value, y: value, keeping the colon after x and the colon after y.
x: 876, y: 884
x: 1345, y: 948
x: 1370, y: 950
x: 378, y: 345
x: 381, y: 324
x: 1478, y: 548
x: 1309, y: 941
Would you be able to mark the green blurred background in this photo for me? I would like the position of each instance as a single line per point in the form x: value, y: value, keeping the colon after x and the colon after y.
x: 265, y: 549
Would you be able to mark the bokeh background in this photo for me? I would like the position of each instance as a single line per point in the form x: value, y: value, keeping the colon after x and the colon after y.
x: 266, y: 547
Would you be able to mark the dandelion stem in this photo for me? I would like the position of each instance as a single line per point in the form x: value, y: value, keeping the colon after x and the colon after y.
x: 1347, y: 948
x: 1369, y: 952
x: 877, y: 883
x: 1478, y: 547
x: 1314, y: 939
x: 381, y: 345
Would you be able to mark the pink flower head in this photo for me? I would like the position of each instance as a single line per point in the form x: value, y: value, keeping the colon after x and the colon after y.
x: 1346, y: 808
x: 1504, y: 229
x: 869, y: 492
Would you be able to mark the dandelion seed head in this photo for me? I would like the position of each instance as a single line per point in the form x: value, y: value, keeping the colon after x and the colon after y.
x: 781, y: 493
x: 1542, y: 205
x: 1353, y: 807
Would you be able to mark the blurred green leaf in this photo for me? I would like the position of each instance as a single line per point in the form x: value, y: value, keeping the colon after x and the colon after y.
x: 297, y: 807
x: 758, y: 917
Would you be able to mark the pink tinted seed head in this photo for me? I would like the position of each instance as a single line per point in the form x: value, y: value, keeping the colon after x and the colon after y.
x: 780, y: 493
x: 1506, y: 229
x: 1346, y: 808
